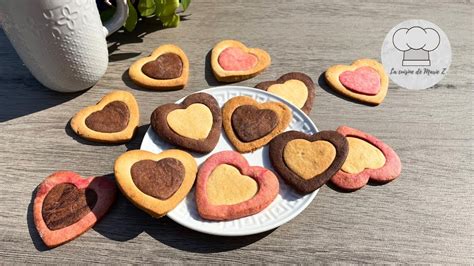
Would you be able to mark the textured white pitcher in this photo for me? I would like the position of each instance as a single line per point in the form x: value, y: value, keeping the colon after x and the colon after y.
x: 62, y: 42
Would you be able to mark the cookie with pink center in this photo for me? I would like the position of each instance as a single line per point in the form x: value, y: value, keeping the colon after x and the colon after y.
x: 67, y: 205
x: 228, y: 188
x: 365, y: 80
x: 368, y: 159
x: 232, y: 61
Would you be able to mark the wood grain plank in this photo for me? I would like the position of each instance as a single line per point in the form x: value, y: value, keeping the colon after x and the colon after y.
x: 425, y: 216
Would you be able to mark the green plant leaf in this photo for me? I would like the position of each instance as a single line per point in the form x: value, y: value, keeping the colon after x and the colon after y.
x: 107, y: 14
x: 166, y: 8
x: 185, y: 4
x: 170, y: 21
x: 132, y: 18
x: 147, y: 7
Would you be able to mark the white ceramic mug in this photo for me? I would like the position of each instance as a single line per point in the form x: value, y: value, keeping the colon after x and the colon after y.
x: 62, y: 42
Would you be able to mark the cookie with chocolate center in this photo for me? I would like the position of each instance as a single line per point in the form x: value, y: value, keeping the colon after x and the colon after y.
x: 114, y: 119
x: 250, y: 125
x: 67, y: 205
x: 155, y: 183
x: 167, y: 68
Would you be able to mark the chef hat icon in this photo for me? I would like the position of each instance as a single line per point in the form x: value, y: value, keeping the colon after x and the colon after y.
x: 416, y: 43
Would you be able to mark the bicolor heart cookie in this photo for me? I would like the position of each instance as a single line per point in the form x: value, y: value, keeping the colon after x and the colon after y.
x: 232, y: 61
x: 368, y: 158
x: 155, y: 183
x: 228, y: 188
x: 114, y: 119
x: 365, y: 80
x: 67, y: 205
x: 306, y: 162
x: 296, y: 87
x: 167, y: 68
x: 195, y: 124
x: 250, y: 125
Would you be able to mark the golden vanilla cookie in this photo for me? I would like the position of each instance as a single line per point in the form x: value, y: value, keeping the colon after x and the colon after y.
x: 167, y: 68
x: 114, y: 119
x: 250, y: 125
x: 155, y: 183
x: 232, y: 61
x: 365, y: 80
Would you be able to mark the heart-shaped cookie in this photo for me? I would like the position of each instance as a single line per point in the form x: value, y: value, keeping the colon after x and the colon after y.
x: 195, y: 124
x: 228, y: 188
x: 250, y: 125
x: 167, y: 68
x: 368, y: 158
x: 296, y: 87
x: 306, y: 162
x: 155, y: 183
x: 67, y: 205
x: 114, y: 119
x: 365, y: 80
x: 232, y: 61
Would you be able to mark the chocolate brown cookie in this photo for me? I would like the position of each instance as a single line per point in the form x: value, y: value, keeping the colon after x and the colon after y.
x: 306, y: 162
x: 296, y: 87
x: 195, y: 124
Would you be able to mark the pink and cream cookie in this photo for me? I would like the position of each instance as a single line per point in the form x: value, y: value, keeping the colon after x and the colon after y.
x: 228, y: 188
x: 365, y: 80
x: 67, y: 205
x: 232, y: 61
x: 368, y: 159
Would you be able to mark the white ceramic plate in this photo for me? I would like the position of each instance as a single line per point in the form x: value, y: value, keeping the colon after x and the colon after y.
x: 287, y: 205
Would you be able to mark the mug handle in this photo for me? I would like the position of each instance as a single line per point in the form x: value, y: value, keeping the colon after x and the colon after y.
x: 116, y: 22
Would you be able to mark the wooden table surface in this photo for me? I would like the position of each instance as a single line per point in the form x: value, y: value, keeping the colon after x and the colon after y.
x: 426, y: 215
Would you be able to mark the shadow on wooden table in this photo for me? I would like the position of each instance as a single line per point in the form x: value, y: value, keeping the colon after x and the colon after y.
x: 35, y: 237
x: 125, y: 222
x: 208, y: 74
x: 20, y: 93
x: 121, y: 37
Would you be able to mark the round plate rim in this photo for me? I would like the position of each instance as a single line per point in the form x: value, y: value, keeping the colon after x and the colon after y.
x: 259, y: 229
